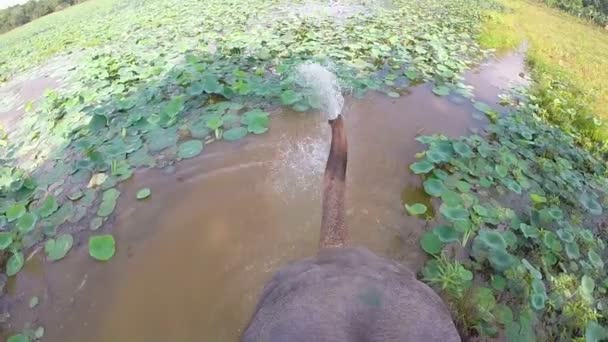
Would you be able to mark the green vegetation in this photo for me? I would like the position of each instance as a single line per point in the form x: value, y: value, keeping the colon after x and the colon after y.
x: 18, y: 15
x: 593, y: 10
x: 530, y: 219
x: 155, y: 81
x: 570, y: 74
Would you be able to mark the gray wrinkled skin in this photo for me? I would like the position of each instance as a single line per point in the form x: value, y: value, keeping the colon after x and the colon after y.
x: 348, y: 294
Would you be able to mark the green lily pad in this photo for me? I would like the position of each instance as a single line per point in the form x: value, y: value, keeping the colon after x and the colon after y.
x: 441, y: 90
x: 143, y: 193
x: 256, y: 121
x: 589, y: 203
x: 537, y: 301
x: 513, y: 186
x: 498, y: 282
x: 492, y: 239
x: 15, y: 212
x: 102, y: 247
x: 595, y: 259
x: 529, y: 231
x: 26, y: 223
x: 556, y: 213
x: 500, y: 259
x: 430, y: 243
x: 434, y: 187
x: 18, y: 338
x: 416, y: 209
x: 587, y: 286
x: 483, y: 107
x: 572, y: 250
x: 108, y: 202
x: 501, y: 170
x: 190, y: 149
x: 533, y: 271
x: 289, y: 97
x: 235, y: 133
x: 565, y: 235
x: 463, y: 149
x: 454, y: 213
x: 6, y: 239
x: 14, y: 264
x: 48, y: 207
x: 160, y: 139
x: 595, y: 332
x: 421, y: 167
x: 57, y: 248
x: 446, y: 234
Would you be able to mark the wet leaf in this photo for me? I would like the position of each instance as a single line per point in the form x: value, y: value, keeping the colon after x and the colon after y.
x: 463, y: 149
x: 537, y: 301
x: 441, y: 91
x: 102, y: 247
x: 160, y: 139
x: 492, y: 239
x: 289, y: 97
x: 595, y: 259
x: 430, y: 243
x: 595, y: 332
x: 190, y: 149
x: 15, y: 212
x: 589, y: 203
x: 6, y: 239
x: 143, y: 193
x: 56, y: 249
x: 446, y: 234
x: 483, y: 107
x: 533, y: 271
x: 48, y: 207
x: 416, y: 209
x: 421, y: 167
x: 434, y: 187
x: 26, y: 223
x: 14, y: 264
x: 500, y: 259
x: 499, y: 282
x: 235, y: 133
x: 256, y: 121
x: 454, y: 213
x: 18, y: 338
x: 572, y: 250
x: 587, y: 286
x: 108, y: 202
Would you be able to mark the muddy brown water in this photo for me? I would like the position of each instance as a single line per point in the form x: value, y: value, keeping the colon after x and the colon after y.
x: 192, y: 259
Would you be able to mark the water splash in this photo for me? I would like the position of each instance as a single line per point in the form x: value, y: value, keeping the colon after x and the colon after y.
x: 323, y: 86
x: 300, y: 163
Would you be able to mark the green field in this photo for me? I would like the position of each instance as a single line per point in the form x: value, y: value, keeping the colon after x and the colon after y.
x: 151, y: 83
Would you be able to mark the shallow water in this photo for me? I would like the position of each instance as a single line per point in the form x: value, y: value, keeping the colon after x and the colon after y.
x: 192, y: 259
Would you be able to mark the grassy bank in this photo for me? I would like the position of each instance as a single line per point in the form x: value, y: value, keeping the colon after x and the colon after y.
x: 569, y: 60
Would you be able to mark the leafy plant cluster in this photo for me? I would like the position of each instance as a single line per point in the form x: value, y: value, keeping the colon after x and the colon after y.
x: 593, y: 10
x: 18, y: 15
x: 522, y: 249
x: 175, y: 76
